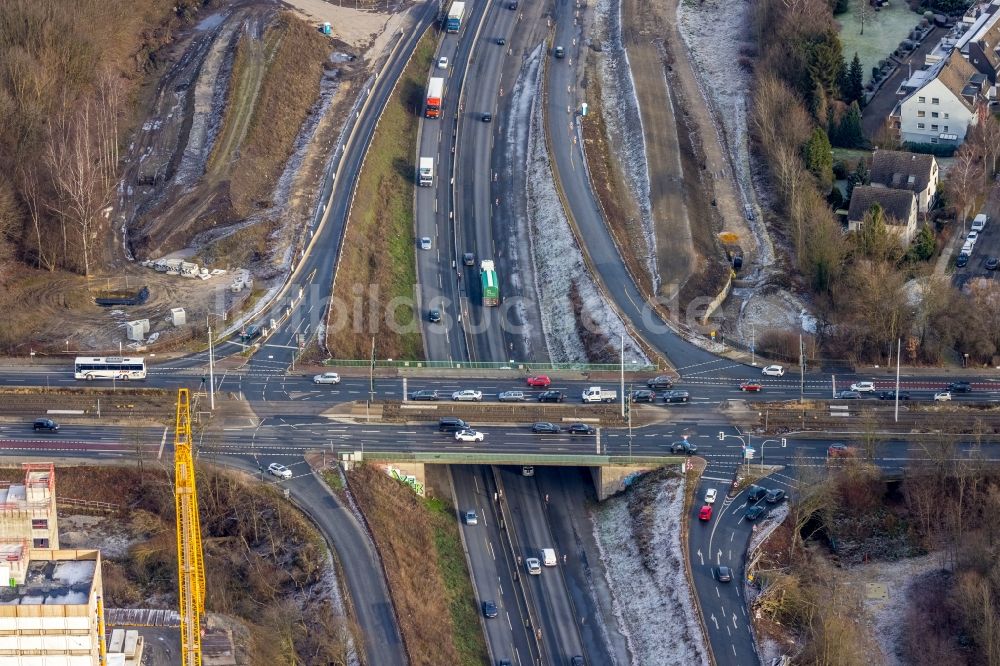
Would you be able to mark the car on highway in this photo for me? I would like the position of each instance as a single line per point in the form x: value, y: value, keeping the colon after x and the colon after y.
x: 469, y: 259
x: 425, y: 395
x: 545, y: 428
x: 942, y: 396
x: 501, y: 41
x: 661, y: 383
x: 723, y: 574
x: 705, y: 513
x: 539, y: 381
x: 533, y: 565
x: 577, y: 660
x: 452, y: 424
x: 559, y: 52
x: 960, y: 387
x: 774, y: 496
x: 756, y: 494
x: 841, y: 450
x: 490, y: 609
x: 443, y: 62
x: 46, y: 424
x: 512, y: 5
x: 710, y: 495
x: 643, y: 395
x: 512, y: 396
x: 863, y: 387
x: 469, y: 435
x: 467, y: 395
x: 992, y: 264
x: 471, y: 518
x: 891, y: 395
x: 551, y: 396
x: 487, y: 117
x: 581, y: 429
x: 528, y: 470
x: 433, y: 316
x: 754, y: 511
x: 754, y: 387
x: 683, y: 446
x: 425, y: 243
x: 327, y: 378
x: 773, y: 371
x: 676, y: 396
x: 279, y: 470
x: 848, y: 395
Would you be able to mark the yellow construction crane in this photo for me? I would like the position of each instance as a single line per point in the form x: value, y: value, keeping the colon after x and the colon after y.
x: 190, y: 559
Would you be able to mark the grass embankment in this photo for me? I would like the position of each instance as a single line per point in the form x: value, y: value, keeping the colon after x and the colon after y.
x: 378, y: 252
x: 428, y: 579
x: 264, y: 561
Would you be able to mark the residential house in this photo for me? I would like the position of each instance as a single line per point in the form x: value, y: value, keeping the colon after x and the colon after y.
x: 980, y: 44
x: 900, y: 208
x: 940, y: 103
x: 907, y: 171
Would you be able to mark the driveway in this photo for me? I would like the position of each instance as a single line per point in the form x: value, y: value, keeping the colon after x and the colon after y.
x: 878, y: 109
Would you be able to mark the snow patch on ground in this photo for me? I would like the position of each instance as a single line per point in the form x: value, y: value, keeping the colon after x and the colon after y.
x: 558, y: 260
x: 620, y: 107
x: 714, y: 31
x: 761, y: 310
x: 330, y: 588
x: 655, y: 608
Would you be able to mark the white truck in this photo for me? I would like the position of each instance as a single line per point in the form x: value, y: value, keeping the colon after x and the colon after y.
x: 425, y: 174
x: 597, y: 394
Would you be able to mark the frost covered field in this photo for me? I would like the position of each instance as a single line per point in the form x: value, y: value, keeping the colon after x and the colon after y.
x: 653, y: 602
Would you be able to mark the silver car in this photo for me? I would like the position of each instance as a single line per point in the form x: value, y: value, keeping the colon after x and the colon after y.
x: 327, y: 378
x: 280, y: 471
x: 467, y: 394
x: 512, y: 396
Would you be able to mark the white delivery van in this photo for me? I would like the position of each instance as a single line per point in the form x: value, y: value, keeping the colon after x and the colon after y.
x: 979, y: 222
x: 548, y: 557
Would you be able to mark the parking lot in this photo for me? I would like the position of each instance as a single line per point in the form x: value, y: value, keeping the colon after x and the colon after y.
x: 988, y: 244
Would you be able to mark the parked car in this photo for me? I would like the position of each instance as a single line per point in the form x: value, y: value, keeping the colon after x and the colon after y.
x: 840, y: 450
x: 425, y: 242
x: 705, y: 513
x: 545, y: 428
x: 756, y: 494
x: 539, y: 381
x: 863, y: 387
x: 424, y: 395
x: 533, y: 565
x: 774, y: 496
x: 710, y: 495
x: 992, y: 264
x: 280, y: 471
x: 551, y: 396
x: 471, y: 518
x: 581, y: 429
x: 452, y: 424
x: 643, y: 395
x: 684, y: 446
x: 467, y: 395
x: 960, y: 387
x: 469, y: 435
x: 943, y: 396
x: 433, y: 316
x: 973, y: 236
x: 723, y: 574
x: 661, y: 383
x: 754, y: 511
x: 46, y: 424
x: 891, y: 395
x: 848, y: 395
x: 754, y: 387
x: 962, y: 260
x: 327, y: 378
x: 979, y: 222
x: 676, y: 396
x: 490, y: 609
x: 773, y: 371
x: 512, y: 396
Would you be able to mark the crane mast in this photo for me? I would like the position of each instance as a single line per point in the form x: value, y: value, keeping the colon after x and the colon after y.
x: 190, y: 558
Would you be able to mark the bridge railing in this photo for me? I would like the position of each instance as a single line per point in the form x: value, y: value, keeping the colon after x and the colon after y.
x: 492, y: 365
x: 514, y: 458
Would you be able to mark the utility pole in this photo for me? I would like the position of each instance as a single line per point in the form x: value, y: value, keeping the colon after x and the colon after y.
x: 899, y: 348
x: 753, y: 346
x: 622, y: 359
x: 629, y: 410
x: 211, y: 371
x: 802, y: 371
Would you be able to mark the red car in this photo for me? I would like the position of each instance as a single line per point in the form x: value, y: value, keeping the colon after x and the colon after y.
x: 705, y: 513
x: 751, y: 386
x: 541, y: 381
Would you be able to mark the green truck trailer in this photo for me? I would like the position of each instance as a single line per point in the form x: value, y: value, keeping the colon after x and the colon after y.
x: 491, y: 287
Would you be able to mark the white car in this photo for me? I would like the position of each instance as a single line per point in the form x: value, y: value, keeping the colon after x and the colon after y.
x: 943, y: 396
x: 773, y: 371
x: 533, y: 565
x: 280, y: 471
x: 425, y: 243
x: 469, y: 436
x: 710, y: 495
x: 863, y: 387
x: 467, y: 394
x: 443, y: 62
x: 327, y: 378
x: 973, y: 237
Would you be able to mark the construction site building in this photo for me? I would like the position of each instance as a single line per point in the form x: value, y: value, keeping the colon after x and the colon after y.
x: 28, y: 510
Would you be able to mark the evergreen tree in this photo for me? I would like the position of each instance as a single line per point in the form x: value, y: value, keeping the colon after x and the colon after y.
x: 839, y: 7
x: 923, y: 244
x: 850, y: 134
x: 854, y: 86
x: 860, y: 176
x: 819, y: 159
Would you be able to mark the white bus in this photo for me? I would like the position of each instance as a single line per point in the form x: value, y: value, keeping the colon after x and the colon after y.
x: 109, y: 367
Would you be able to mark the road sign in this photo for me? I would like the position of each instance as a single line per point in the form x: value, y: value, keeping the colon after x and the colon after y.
x: 748, y: 453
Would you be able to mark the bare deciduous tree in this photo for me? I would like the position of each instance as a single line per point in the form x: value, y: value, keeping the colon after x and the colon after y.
x: 963, y: 184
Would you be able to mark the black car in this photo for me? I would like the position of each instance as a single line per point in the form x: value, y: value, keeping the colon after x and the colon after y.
x: 434, y: 316
x: 756, y: 494
x: 487, y: 117
x: 754, y: 512
x: 992, y: 264
x: 960, y: 387
x: 501, y: 41
x: 46, y: 424
x: 469, y: 259
x: 560, y: 52
x: 661, y: 383
x: 576, y: 661
x: 512, y: 5
x: 581, y: 429
x: 643, y: 396
x: 683, y: 446
x: 774, y: 496
x: 452, y: 424
x: 489, y: 609
x: 676, y: 396
x: 723, y: 574
x: 849, y: 395
x: 963, y: 260
x: 424, y: 395
x: 545, y: 427
x: 891, y: 395
x: 551, y: 396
